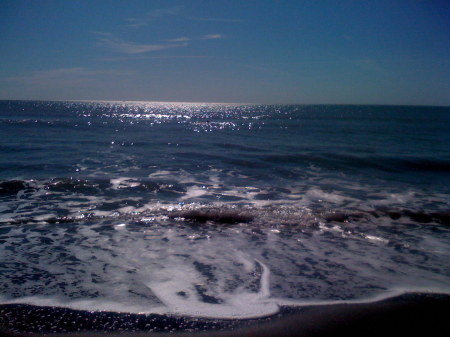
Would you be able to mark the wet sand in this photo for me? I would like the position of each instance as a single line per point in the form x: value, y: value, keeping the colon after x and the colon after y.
x: 405, y: 315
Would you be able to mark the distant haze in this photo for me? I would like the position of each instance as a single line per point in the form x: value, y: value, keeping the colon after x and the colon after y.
x: 292, y: 51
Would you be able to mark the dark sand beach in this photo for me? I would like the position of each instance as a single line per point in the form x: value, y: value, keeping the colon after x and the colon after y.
x: 406, y: 315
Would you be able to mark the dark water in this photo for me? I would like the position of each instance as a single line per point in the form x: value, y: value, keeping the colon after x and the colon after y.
x: 220, y: 210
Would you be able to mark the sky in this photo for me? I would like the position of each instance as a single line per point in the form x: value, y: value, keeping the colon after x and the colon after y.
x: 291, y: 51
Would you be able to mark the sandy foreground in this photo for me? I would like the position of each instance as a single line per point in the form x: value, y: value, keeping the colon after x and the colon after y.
x: 408, y: 315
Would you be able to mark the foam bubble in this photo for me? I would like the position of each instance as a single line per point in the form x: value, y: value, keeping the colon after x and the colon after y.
x: 194, y: 192
x: 124, y: 182
x: 316, y: 194
x: 374, y: 238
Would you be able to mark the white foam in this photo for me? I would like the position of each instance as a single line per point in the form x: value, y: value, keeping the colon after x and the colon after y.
x: 377, y: 239
x: 44, y: 217
x: 238, y: 307
x: 98, y: 213
x: 97, y: 304
x: 249, y: 269
x: 161, y: 174
x: 317, y: 194
x: 126, y: 210
x: 124, y: 182
x: 194, y: 192
x: 241, y: 304
x: 389, y: 199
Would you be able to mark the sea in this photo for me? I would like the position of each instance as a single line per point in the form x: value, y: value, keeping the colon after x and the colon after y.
x: 218, y: 211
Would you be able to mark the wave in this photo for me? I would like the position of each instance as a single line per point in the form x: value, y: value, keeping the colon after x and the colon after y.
x: 426, y: 165
x: 217, y: 215
x: 230, y: 214
x: 178, y: 196
x: 384, y: 163
x: 442, y: 218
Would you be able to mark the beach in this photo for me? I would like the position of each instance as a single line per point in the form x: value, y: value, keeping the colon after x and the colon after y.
x: 406, y: 315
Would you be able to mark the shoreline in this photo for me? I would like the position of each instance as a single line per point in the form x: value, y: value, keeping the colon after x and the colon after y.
x: 410, y: 314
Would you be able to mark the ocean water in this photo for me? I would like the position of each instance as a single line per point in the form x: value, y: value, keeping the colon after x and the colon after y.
x: 220, y: 210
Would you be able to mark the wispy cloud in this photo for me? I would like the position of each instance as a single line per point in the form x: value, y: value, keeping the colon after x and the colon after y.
x: 179, y: 39
x: 143, y: 57
x: 112, y: 42
x: 215, y: 19
x: 145, y: 19
x: 204, y: 37
x: 152, y: 15
x: 212, y: 37
x: 164, y: 12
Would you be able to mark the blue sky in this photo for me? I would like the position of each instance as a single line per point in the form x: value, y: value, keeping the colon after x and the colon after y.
x: 325, y: 52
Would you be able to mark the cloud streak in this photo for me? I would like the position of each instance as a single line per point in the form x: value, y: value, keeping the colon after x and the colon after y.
x: 216, y: 19
x: 145, y: 57
x: 212, y: 37
x: 144, y: 20
x: 152, y: 15
x: 108, y: 40
x: 204, y: 37
x: 112, y: 42
x: 179, y: 39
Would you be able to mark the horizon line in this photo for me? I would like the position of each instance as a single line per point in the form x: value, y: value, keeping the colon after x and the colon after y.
x: 233, y: 103
x: 123, y: 101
